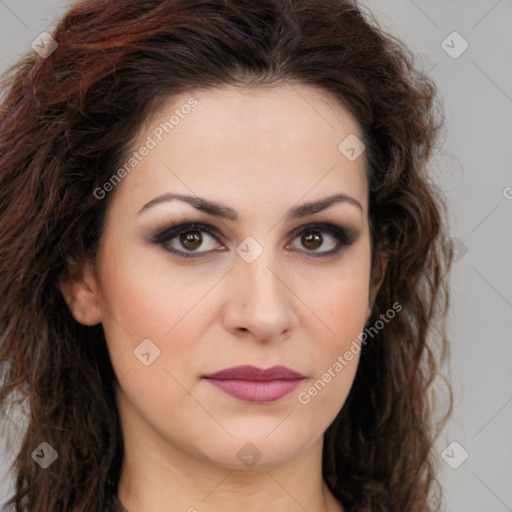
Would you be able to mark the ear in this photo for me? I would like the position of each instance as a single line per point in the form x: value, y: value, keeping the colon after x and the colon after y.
x: 377, y: 277
x: 79, y: 289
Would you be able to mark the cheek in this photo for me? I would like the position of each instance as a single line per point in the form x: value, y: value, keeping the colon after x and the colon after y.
x: 336, y: 349
x: 342, y: 305
x: 341, y: 301
x: 140, y: 292
x: 347, y: 305
x: 343, y: 310
x: 144, y: 298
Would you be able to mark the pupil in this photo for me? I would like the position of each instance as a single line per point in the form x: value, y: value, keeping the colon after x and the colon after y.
x: 188, y: 238
x: 310, y: 241
x: 192, y: 240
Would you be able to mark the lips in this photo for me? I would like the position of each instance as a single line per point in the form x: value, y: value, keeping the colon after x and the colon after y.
x: 253, y: 384
x: 248, y: 372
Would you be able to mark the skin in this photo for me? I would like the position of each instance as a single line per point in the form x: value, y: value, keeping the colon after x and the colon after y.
x: 260, y: 151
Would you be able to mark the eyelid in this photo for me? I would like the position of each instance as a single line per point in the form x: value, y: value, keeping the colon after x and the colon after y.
x: 167, y: 231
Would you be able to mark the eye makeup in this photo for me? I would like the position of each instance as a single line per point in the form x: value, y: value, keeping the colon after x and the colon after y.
x: 167, y: 232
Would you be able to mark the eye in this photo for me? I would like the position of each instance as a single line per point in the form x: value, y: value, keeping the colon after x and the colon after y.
x: 312, y: 238
x: 185, y: 240
x: 185, y: 236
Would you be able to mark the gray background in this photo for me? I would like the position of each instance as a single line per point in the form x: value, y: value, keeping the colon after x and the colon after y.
x: 473, y: 168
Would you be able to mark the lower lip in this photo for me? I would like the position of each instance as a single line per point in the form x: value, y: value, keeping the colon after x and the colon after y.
x: 256, y: 391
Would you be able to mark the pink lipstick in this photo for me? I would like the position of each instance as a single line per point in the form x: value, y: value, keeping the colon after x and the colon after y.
x: 254, y: 384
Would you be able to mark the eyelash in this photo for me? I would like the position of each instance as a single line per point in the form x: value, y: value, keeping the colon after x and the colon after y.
x: 169, y: 232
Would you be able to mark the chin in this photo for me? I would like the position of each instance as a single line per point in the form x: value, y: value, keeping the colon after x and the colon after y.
x: 257, y: 451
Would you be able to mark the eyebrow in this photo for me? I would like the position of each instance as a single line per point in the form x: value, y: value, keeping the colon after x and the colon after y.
x: 219, y: 210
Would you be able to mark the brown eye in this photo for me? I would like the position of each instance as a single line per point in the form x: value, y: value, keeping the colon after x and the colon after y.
x: 316, y: 237
x: 312, y: 241
x: 187, y: 239
x: 191, y: 240
x: 315, y: 240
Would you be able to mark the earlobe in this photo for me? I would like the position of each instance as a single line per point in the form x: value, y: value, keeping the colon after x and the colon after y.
x: 79, y: 292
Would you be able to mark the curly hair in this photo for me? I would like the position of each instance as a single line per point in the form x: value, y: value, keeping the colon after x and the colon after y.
x: 67, y: 121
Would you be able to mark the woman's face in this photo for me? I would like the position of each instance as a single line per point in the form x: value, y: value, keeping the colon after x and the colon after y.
x: 260, y: 287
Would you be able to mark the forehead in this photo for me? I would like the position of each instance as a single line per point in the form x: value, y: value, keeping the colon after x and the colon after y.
x: 285, y: 141
x: 288, y: 110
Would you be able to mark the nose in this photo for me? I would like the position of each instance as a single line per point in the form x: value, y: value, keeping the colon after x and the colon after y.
x: 260, y: 302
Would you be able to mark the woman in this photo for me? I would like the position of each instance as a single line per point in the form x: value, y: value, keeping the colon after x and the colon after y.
x: 224, y: 265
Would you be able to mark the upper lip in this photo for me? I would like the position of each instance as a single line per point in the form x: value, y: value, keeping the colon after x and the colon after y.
x: 249, y: 372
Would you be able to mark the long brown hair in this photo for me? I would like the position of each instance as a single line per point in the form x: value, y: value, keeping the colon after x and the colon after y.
x: 66, y: 124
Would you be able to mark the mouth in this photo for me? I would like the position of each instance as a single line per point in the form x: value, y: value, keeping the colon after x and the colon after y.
x: 253, y: 384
